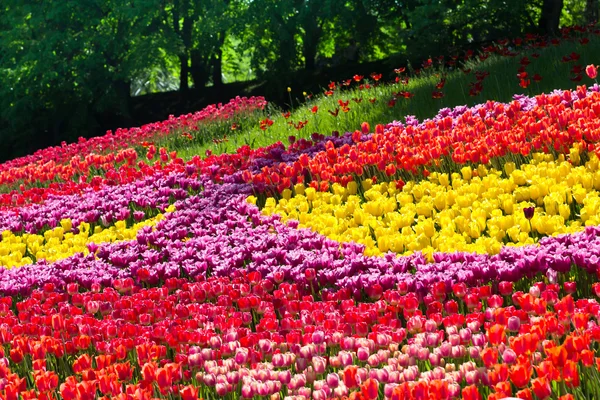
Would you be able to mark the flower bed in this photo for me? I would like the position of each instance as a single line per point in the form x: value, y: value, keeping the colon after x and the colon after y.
x: 450, y: 258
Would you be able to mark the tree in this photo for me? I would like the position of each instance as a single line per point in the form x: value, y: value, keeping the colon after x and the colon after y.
x: 200, y: 29
x: 68, y: 64
x: 550, y: 16
x: 591, y: 11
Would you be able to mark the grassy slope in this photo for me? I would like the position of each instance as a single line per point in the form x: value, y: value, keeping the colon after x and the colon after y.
x: 501, y: 85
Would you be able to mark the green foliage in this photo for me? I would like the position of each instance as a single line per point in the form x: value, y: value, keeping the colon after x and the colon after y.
x: 449, y: 24
x: 69, y: 62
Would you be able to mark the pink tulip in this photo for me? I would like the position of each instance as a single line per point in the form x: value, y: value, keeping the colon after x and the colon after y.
x: 513, y: 324
x: 363, y: 354
x: 509, y: 356
x: 285, y: 377
x: 319, y: 364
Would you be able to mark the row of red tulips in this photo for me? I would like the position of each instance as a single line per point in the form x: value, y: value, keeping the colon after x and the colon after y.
x: 248, y: 337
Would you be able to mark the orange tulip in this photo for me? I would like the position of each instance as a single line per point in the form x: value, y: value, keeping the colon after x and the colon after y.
x: 558, y: 355
x: 498, y: 374
x: 489, y: 356
x: 471, y: 393
x: 547, y: 368
x: 571, y: 374
x: 496, y: 334
x: 524, y: 394
x: 370, y: 389
x: 350, y: 378
x: 520, y: 374
x: 541, y: 388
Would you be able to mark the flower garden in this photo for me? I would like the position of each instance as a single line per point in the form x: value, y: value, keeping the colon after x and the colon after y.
x: 455, y: 257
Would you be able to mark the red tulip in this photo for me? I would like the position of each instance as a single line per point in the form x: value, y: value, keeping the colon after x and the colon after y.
x: 310, y: 274
x: 541, y: 388
x: 520, y: 374
x: 591, y: 71
x: 189, y: 392
x: 471, y: 393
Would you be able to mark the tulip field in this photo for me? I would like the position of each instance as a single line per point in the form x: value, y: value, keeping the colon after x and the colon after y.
x: 451, y: 257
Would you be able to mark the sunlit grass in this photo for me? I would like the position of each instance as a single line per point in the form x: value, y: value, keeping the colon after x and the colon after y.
x: 501, y: 85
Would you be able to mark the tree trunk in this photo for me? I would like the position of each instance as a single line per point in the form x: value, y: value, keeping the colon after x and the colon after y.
x: 550, y: 18
x: 591, y: 11
x: 123, y: 92
x: 217, y: 61
x: 199, y: 69
x: 310, y: 43
x: 186, y: 37
x: 183, y: 72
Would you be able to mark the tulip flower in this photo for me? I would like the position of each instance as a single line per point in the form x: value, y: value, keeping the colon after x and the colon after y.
x: 591, y: 71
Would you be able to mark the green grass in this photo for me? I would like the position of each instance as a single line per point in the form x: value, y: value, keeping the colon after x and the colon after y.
x: 501, y: 85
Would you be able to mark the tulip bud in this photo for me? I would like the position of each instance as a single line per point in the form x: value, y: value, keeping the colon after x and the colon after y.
x: 319, y: 394
x: 456, y: 352
x: 72, y: 288
x: 430, y: 326
x: 310, y: 274
x: 535, y: 291
x: 409, y: 374
x: 310, y: 374
x: 474, y: 352
x: 318, y: 337
x: 365, y: 128
x: 570, y: 287
x: 92, y: 307
x: 241, y: 356
x: 465, y: 335
x: 434, y: 359
x: 247, y: 391
x: 209, y: 379
x: 478, y: 339
x: 285, y: 377
x: 596, y: 289
x: 301, y: 364
x: 319, y: 364
x: 16, y: 355
x: 373, y: 360
x: 445, y: 349
x: 371, y: 388
x: 278, y: 276
x: 509, y: 356
x: 304, y: 391
x: 362, y: 373
x: 363, y: 354
x: 423, y: 353
x: 454, y: 339
x: 345, y: 358
x: 348, y: 343
x: 513, y: 324
x: 459, y: 289
x: 333, y: 380
x: 195, y: 360
x: 278, y: 360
